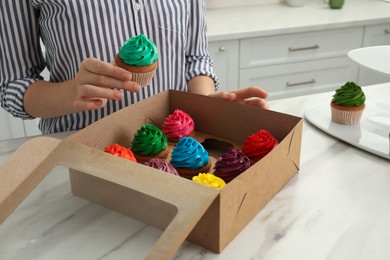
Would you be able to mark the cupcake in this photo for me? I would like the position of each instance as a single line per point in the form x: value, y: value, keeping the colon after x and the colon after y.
x: 149, y: 142
x: 190, y: 158
x: 120, y: 151
x: 258, y: 145
x: 210, y: 180
x: 162, y: 165
x: 138, y: 55
x: 348, y: 104
x: 178, y: 125
x: 231, y: 164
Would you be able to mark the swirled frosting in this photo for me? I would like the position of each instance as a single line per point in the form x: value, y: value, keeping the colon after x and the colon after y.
x: 189, y: 154
x: 149, y: 140
x: 178, y: 124
x: 210, y: 180
x: 231, y: 164
x: 349, y: 95
x: 162, y: 165
x: 138, y: 51
x: 121, y: 151
x: 258, y: 145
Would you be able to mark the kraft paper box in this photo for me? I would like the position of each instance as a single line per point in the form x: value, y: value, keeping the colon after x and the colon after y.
x: 238, y: 202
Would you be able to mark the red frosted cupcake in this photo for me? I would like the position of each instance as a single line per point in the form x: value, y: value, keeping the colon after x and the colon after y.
x: 231, y: 164
x: 178, y: 125
x: 259, y: 145
x: 120, y: 151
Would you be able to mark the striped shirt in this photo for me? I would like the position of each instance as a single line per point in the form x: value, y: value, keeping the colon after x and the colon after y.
x: 75, y: 30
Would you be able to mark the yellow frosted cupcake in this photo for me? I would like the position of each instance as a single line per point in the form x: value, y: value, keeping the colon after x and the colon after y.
x: 210, y: 180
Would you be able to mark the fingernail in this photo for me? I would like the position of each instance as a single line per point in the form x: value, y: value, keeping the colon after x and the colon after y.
x: 136, y: 87
x: 127, y: 76
x: 118, y: 95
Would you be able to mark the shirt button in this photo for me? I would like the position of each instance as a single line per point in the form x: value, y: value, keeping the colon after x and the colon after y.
x: 137, y: 6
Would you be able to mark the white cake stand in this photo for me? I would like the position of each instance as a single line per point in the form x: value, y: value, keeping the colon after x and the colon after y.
x: 376, y: 58
x: 372, y: 133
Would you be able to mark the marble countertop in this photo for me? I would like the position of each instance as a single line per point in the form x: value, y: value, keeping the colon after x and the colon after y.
x: 278, y: 18
x: 336, y: 207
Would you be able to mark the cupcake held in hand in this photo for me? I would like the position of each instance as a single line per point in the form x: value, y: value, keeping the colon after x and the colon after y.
x: 178, y: 125
x: 348, y: 104
x: 190, y: 158
x: 139, y: 56
x: 149, y: 142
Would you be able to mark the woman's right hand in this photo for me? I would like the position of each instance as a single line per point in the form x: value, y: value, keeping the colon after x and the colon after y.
x: 97, y: 81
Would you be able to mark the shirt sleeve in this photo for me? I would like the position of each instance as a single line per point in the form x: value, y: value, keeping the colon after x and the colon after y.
x: 198, y: 61
x: 21, y: 56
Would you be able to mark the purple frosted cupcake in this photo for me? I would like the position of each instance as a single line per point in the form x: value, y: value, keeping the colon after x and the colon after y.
x: 162, y: 165
x: 231, y: 164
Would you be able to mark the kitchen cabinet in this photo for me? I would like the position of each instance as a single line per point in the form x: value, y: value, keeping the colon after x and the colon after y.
x: 300, y: 63
x: 374, y: 35
x: 225, y: 55
x: 11, y: 127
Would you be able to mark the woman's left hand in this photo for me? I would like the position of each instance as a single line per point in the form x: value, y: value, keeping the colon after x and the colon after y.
x: 254, y: 96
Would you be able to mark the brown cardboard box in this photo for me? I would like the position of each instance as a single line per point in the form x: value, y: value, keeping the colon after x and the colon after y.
x: 237, y: 203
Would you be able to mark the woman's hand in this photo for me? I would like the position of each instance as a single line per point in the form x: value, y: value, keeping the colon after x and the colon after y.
x: 254, y: 96
x: 97, y: 81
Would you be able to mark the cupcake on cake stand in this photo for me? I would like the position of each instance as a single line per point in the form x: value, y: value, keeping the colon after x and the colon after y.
x: 372, y: 134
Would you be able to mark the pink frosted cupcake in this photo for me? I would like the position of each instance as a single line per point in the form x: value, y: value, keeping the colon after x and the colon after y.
x: 162, y: 165
x: 178, y: 125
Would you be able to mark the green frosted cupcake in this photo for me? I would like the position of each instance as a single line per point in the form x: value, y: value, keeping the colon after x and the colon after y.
x: 149, y: 142
x: 139, y: 56
x: 348, y: 104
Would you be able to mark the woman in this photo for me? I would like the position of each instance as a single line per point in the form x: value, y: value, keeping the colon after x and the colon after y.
x: 81, y: 39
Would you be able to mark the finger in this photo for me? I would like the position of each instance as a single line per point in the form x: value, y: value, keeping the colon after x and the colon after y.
x: 224, y: 95
x: 250, y: 92
x: 91, y: 92
x: 104, y: 68
x: 257, y: 102
x: 89, y: 104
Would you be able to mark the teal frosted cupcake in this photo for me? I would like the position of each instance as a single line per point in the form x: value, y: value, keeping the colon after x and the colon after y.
x: 139, y: 56
x: 348, y: 104
x: 190, y: 158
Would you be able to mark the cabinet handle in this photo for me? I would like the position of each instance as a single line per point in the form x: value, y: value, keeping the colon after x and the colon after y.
x: 315, y: 46
x: 222, y: 48
x: 312, y: 81
x: 387, y: 31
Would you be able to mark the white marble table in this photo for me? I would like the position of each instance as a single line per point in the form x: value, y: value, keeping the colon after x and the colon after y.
x: 336, y: 207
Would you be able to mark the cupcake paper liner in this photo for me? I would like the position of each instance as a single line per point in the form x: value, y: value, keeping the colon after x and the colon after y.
x: 346, y: 117
x: 143, y: 78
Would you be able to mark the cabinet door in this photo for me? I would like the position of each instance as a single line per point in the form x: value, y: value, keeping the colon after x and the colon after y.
x: 301, y: 78
x: 374, y: 35
x: 299, y: 47
x: 11, y: 127
x: 225, y: 56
